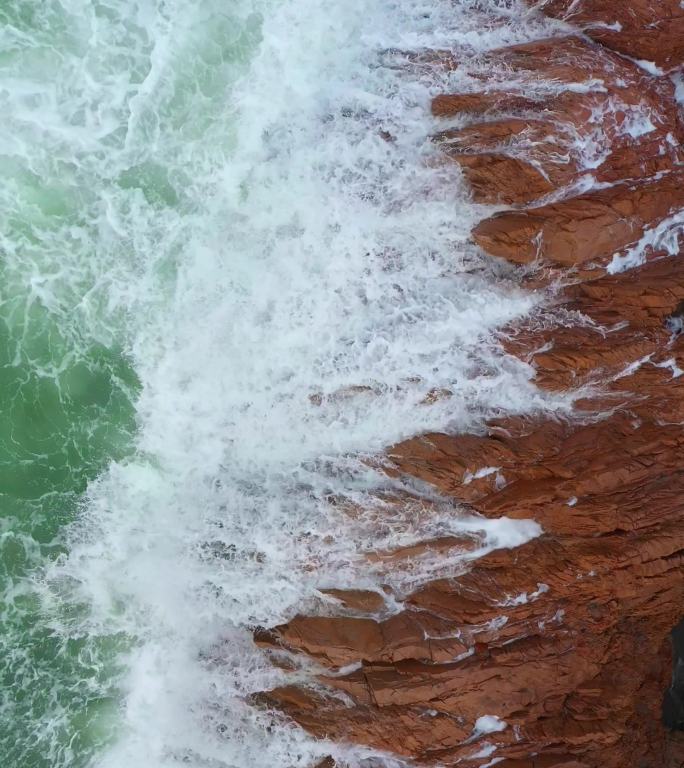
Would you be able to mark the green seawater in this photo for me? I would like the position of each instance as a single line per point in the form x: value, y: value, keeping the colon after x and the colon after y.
x: 108, y: 112
x: 59, y: 430
x: 67, y: 404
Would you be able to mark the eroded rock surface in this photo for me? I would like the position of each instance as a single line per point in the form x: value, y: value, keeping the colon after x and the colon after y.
x: 562, y: 644
x: 649, y: 30
x: 565, y: 639
x: 591, y: 229
x: 571, y: 111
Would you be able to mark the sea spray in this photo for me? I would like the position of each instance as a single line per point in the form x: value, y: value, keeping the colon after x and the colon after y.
x: 246, y: 204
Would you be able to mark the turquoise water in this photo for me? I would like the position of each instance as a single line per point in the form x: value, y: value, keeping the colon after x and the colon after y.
x: 221, y: 286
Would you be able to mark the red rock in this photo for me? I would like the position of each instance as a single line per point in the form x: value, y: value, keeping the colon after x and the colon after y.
x: 584, y: 230
x: 652, y: 30
x: 340, y: 641
x: 429, y: 547
x: 644, y: 296
x: 447, y: 105
x: 622, y: 124
x: 565, y: 638
x: 357, y: 599
x: 552, y: 672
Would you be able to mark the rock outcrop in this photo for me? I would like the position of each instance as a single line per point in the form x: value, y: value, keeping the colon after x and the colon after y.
x: 555, y: 653
x: 571, y: 109
x: 647, y: 30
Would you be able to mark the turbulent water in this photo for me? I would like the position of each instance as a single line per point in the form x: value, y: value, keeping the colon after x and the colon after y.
x: 232, y: 267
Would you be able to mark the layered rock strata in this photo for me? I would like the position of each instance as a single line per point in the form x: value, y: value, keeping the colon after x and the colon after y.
x: 566, y: 111
x: 648, y: 30
x: 556, y: 653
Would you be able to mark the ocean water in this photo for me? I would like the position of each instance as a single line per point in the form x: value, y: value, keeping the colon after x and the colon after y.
x: 233, y: 268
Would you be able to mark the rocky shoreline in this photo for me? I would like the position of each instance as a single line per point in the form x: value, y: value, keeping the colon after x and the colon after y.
x: 564, y: 642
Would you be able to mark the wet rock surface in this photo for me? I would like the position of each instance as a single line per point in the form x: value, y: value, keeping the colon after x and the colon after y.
x: 650, y: 30
x: 589, y: 230
x: 557, y: 652
x: 571, y: 109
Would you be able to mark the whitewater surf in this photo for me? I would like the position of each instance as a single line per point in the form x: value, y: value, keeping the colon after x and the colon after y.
x: 234, y: 269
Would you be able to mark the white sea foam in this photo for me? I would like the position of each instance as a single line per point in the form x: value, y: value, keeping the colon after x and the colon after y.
x: 665, y: 236
x: 489, y: 724
x: 291, y: 286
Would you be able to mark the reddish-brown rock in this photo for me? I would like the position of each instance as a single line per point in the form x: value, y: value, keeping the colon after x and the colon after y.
x: 595, y: 114
x: 565, y: 639
x: 560, y: 672
x: 447, y: 105
x: 586, y: 230
x: 357, y: 599
x: 652, y: 30
x: 602, y: 324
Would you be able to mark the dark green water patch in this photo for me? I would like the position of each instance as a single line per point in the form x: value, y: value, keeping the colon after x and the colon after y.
x: 67, y: 411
